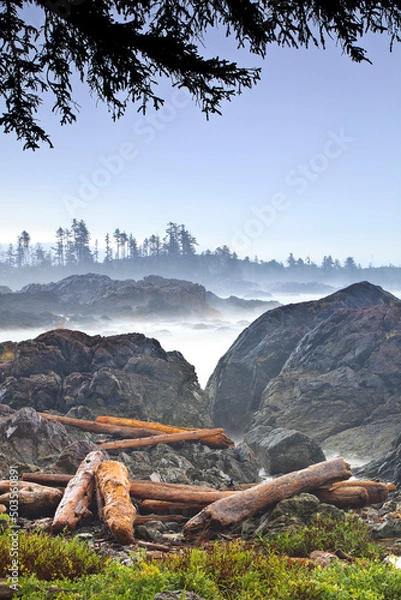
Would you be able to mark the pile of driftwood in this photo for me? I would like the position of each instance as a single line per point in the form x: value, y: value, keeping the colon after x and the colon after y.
x: 103, y: 486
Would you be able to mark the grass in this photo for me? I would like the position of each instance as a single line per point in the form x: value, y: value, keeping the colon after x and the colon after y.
x: 234, y: 570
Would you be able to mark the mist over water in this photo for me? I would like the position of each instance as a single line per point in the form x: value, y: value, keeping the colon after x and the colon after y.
x: 202, y: 342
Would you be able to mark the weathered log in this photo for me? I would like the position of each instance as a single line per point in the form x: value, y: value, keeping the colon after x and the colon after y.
x: 172, y: 492
x: 169, y: 438
x: 96, y: 427
x: 140, y: 519
x: 354, y: 494
x: 241, y: 505
x: 52, y: 479
x: 34, y: 500
x: 161, y: 507
x: 217, y: 440
x: 118, y: 511
x: 75, y: 503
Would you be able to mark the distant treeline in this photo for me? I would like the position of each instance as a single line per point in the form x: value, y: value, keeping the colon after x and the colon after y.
x: 174, y: 254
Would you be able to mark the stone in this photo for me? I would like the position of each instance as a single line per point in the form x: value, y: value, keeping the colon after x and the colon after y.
x: 283, y: 451
x: 291, y: 514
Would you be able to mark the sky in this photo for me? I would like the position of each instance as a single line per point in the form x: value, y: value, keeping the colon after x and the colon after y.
x: 307, y: 161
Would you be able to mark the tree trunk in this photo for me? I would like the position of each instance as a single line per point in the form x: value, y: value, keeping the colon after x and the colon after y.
x: 169, y: 438
x: 217, y: 440
x: 354, y: 494
x: 117, y: 511
x: 34, y: 500
x: 95, y: 427
x: 241, y: 505
x: 78, y: 494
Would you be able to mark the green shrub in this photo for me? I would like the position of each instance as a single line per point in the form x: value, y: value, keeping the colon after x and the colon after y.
x: 350, y: 534
x: 49, y: 557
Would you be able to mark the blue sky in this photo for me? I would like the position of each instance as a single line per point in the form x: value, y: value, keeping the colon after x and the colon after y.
x: 307, y: 162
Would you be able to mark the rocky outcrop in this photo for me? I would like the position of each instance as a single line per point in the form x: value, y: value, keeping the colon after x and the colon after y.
x: 124, y: 375
x: 248, y: 377
x: 82, y: 300
x: 343, y: 375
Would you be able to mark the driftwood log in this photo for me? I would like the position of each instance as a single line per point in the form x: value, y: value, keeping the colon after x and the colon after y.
x: 354, y: 494
x: 52, y: 479
x: 169, y: 438
x: 216, y: 440
x: 95, y: 427
x: 33, y: 500
x: 75, y: 503
x: 241, y: 505
x: 116, y: 509
x: 344, y: 494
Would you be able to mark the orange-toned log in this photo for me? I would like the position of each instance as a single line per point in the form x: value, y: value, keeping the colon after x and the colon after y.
x: 219, y: 440
x: 241, y: 505
x: 169, y: 438
x: 74, y: 505
x: 34, y: 500
x: 117, y: 511
x: 354, y: 494
x: 95, y: 427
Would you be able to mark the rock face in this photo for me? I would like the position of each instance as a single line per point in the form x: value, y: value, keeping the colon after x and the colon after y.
x: 327, y: 368
x: 260, y: 352
x: 124, y: 375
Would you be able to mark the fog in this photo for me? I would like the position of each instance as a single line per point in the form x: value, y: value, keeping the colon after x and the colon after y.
x: 202, y: 342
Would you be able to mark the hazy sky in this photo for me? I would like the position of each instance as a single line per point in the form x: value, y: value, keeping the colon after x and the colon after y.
x: 308, y: 162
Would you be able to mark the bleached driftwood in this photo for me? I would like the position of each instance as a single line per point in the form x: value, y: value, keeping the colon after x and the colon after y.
x: 77, y: 497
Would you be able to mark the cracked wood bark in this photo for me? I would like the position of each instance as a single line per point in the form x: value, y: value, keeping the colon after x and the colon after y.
x: 117, y: 510
x: 218, y: 440
x: 168, y: 438
x: 95, y: 427
x: 241, y: 505
x: 74, y: 505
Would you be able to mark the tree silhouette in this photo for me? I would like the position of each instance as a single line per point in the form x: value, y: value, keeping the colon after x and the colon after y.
x: 120, y: 48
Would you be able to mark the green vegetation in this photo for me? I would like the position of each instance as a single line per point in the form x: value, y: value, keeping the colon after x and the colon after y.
x: 236, y: 570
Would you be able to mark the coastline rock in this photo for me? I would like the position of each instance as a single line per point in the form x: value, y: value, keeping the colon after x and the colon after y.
x: 82, y: 300
x: 328, y: 369
x: 259, y: 354
x: 342, y: 375
x: 125, y: 375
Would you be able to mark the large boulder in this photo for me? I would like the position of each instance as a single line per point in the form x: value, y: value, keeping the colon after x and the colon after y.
x: 125, y: 375
x: 267, y: 352
x: 283, y: 450
x: 28, y: 440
